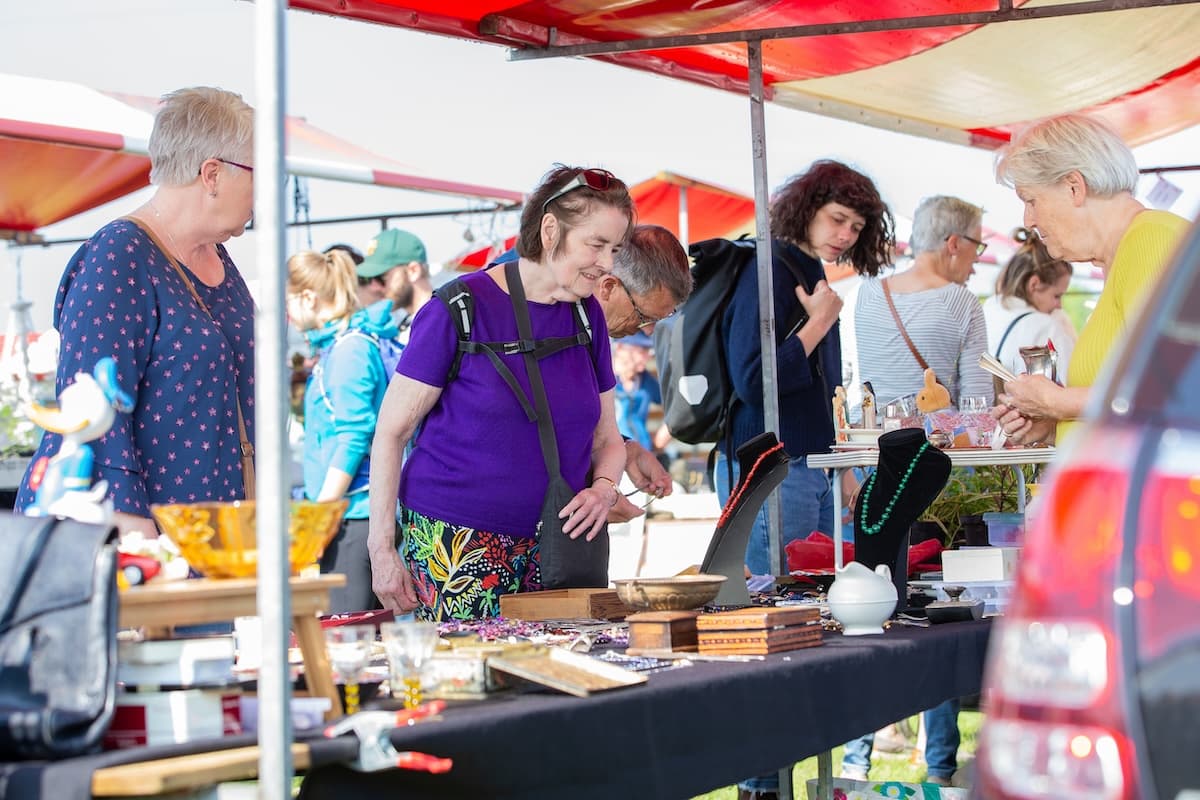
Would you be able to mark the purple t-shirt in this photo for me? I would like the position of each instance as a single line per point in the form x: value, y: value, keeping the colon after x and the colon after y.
x: 477, y: 461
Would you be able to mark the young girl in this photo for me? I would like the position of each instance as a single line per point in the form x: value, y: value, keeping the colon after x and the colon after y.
x: 341, y: 405
x: 1026, y: 309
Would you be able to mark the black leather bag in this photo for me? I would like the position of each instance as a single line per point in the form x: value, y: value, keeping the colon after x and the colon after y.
x: 568, y: 563
x: 58, y: 636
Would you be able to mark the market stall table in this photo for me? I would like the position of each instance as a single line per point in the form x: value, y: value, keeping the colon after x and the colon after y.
x: 168, y: 603
x: 686, y: 731
x: 843, y: 460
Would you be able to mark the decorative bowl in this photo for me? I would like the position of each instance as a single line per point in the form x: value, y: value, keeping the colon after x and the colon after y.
x: 679, y: 593
x: 219, y: 540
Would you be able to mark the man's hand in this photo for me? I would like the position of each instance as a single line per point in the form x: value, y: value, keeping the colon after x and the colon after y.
x: 645, y: 471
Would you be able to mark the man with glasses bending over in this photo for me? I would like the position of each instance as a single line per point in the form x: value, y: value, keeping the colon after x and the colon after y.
x: 651, y: 277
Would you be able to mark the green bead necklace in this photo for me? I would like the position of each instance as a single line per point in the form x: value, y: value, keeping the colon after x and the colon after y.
x: 871, y: 530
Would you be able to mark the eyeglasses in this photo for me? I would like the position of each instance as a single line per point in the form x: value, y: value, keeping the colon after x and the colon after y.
x: 649, y: 498
x: 598, y: 179
x: 644, y: 320
x: 237, y: 164
x: 980, y: 247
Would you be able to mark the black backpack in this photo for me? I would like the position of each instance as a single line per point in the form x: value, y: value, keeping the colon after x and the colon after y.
x: 461, y: 304
x: 698, y: 396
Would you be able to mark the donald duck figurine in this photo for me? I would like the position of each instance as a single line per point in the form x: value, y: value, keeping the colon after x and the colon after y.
x: 85, y: 412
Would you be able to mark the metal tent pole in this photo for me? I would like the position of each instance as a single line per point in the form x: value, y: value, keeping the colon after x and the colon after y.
x: 275, y: 767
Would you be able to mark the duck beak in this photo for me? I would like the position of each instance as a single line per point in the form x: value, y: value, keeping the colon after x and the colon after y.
x: 52, y: 419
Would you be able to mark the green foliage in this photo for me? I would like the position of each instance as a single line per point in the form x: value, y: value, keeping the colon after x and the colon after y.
x: 972, y: 491
x: 18, y: 436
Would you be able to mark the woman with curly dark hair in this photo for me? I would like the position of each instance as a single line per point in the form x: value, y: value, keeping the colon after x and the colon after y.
x: 828, y: 213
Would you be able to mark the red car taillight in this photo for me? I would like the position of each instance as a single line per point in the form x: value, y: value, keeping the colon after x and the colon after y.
x: 1054, y: 715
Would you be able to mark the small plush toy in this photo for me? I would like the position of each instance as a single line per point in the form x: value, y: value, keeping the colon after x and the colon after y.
x: 85, y: 412
x: 933, y: 396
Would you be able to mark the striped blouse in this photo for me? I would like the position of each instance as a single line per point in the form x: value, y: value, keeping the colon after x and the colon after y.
x: 946, y: 325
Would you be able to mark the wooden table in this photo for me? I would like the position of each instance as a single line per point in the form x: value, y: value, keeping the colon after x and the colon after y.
x: 195, y: 602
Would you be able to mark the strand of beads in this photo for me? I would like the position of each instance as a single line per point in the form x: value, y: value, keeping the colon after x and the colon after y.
x: 872, y: 529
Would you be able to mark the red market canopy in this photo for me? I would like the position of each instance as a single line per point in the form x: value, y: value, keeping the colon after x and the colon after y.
x: 66, y: 148
x: 965, y: 71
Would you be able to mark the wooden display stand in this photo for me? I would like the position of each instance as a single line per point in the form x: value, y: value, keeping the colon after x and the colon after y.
x: 194, y: 602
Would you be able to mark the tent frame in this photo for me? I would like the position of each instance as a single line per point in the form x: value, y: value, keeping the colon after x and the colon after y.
x: 275, y: 771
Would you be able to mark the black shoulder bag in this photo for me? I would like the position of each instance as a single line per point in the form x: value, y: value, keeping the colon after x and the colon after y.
x: 58, y: 636
x: 566, y: 563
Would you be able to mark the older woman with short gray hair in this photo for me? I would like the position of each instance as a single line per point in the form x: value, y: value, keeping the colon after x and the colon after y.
x: 1077, y: 180
x: 158, y: 292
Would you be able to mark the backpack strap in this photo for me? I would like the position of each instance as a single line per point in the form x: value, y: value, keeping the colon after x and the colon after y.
x: 1008, y: 330
x: 460, y: 303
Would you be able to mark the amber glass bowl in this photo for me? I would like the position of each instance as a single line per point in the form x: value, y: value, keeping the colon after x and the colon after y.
x: 219, y: 540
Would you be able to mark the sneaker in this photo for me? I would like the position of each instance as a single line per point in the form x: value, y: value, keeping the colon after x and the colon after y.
x: 891, y: 740
x: 852, y: 773
x: 937, y: 780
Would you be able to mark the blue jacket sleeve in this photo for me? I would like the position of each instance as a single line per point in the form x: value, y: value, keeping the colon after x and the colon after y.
x: 355, y: 382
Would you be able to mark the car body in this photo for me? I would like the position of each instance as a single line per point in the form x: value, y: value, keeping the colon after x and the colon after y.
x: 1093, y: 679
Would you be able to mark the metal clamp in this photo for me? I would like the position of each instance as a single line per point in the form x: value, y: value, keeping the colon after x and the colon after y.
x: 375, y: 749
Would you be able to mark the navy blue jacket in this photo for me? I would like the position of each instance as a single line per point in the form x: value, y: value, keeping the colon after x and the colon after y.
x: 805, y: 398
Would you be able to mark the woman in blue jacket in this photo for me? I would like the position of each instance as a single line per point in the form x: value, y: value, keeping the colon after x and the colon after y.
x: 341, y: 404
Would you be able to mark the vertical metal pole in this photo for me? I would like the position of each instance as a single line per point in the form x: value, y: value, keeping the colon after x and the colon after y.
x: 766, y: 295
x: 683, y: 216
x: 275, y: 767
x: 766, y: 311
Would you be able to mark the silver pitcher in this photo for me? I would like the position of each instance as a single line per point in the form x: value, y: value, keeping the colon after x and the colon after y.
x: 1041, y: 360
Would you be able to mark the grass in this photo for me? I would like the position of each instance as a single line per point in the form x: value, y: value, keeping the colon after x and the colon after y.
x: 884, y: 767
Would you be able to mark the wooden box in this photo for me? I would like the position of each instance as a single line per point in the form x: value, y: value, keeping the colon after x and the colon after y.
x: 655, y: 631
x: 564, y: 604
x: 758, y: 631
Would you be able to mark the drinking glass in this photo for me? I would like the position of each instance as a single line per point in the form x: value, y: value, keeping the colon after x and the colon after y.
x: 975, y: 409
x: 899, y: 413
x: 974, y: 404
x: 409, y: 646
x: 349, y: 648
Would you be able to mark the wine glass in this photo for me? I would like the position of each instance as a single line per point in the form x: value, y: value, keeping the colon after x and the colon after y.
x: 349, y: 648
x: 409, y: 645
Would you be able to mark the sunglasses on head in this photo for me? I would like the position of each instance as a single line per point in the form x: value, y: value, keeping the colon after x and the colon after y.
x: 598, y: 179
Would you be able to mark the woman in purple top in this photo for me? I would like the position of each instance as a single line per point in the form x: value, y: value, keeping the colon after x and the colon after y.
x: 185, y: 353
x: 471, y: 491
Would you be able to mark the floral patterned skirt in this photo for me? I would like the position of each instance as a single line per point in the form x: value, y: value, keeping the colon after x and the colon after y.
x: 461, y: 572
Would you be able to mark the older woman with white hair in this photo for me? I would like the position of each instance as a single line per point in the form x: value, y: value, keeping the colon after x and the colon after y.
x: 157, y: 292
x: 1077, y: 179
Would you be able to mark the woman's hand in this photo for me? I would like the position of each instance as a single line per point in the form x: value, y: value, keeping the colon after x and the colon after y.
x: 1020, y: 429
x: 391, y: 582
x: 588, y: 510
x: 1035, y: 396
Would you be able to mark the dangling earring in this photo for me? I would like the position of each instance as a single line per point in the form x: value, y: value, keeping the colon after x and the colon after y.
x: 213, y: 193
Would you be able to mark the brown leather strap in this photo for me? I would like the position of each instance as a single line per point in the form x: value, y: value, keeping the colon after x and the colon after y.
x: 887, y: 294
x: 247, y: 449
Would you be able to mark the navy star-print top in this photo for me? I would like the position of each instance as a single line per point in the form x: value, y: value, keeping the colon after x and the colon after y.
x: 121, y: 297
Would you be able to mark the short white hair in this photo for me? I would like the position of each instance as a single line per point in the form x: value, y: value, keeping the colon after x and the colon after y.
x: 1045, y: 152
x: 196, y: 124
x: 937, y: 218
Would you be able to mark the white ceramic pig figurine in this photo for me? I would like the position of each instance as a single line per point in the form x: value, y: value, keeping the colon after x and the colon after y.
x: 861, y: 599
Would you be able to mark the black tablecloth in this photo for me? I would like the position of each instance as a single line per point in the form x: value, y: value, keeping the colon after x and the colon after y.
x: 685, y: 732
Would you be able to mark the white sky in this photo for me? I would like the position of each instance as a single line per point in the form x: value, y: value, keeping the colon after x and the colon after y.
x: 463, y: 111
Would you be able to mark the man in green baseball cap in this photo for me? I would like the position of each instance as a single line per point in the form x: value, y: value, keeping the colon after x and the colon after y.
x: 396, y: 269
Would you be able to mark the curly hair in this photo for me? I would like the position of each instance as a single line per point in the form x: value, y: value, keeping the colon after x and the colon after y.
x: 1031, y: 259
x: 797, y: 202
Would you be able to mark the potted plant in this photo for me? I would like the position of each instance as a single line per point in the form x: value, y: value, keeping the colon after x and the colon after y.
x: 970, y: 493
